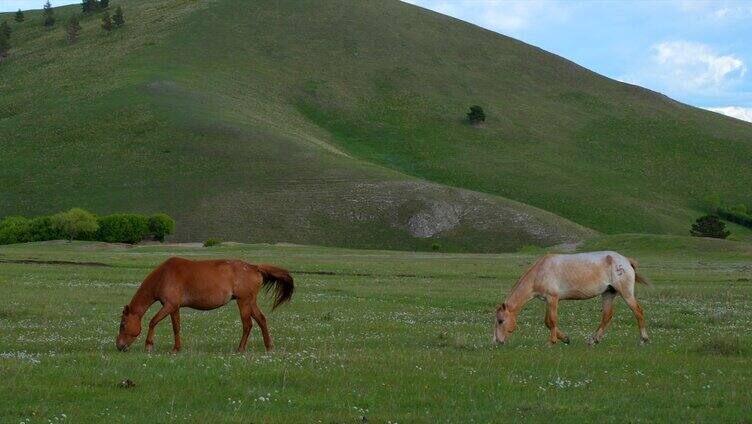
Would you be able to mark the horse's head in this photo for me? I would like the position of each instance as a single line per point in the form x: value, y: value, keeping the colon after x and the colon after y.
x: 505, y: 323
x: 130, y: 328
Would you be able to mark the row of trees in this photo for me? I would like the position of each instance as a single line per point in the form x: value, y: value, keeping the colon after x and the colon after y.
x: 79, y: 224
x: 73, y: 26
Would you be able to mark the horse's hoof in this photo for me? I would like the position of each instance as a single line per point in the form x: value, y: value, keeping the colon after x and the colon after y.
x: 593, y: 341
x: 644, y: 341
x: 239, y: 350
x: 550, y: 344
x: 149, y: 348
x: 175, y: 351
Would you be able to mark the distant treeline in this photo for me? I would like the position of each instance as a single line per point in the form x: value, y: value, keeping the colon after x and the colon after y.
x: 79, y: 224
x: 735, y: 215
x: 739, y: 214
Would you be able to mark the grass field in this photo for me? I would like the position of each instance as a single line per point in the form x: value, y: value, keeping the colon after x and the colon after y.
x: 289, y: 120
x: 377, y: 336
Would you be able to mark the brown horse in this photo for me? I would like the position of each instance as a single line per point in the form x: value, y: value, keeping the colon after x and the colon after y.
x: 203, y: 285
x: 581, y: 276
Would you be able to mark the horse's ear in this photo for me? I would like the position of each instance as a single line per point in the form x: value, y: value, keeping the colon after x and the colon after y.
x: 504, y: 306
x: 126, y: 309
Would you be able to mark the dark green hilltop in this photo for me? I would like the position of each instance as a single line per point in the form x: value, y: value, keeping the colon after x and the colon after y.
x: 344, y: 123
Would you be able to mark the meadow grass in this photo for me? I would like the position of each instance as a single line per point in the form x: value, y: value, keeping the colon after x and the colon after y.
x: 374, y: 336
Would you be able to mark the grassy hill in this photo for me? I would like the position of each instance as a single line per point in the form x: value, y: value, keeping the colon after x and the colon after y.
x: 341, y: 123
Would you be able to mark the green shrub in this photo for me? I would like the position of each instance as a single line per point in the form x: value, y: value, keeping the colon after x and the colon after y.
x: 118, y: 19
x: 44, y: 228
x: 79, y: 224
x: 161, y: 225
x: 709, y: 226
x: 212, y: 242
x: 123, y: 228
x: 14, y: 229
x: 530, y: 249
x: 476, y: 115
x: 76, y: 223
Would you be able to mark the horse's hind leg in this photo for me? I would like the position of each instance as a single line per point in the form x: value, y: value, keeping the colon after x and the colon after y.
x: 608, y: 312
x: 261, y: 320
x: 639, y: 315
x: 175, y: 317
x: 245, y: 317
x: 166, y: 309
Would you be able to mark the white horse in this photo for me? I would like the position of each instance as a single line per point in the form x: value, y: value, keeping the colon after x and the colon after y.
x: 579, y: 276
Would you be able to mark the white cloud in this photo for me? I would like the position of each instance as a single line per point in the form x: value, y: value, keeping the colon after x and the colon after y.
x: 722, y: 12
x: 733, y: 11
x: 695, y: 66
x: 743, y: 113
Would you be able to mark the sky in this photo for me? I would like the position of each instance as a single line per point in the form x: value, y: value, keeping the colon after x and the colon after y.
x: 13, y: 5
x: 691, y: 50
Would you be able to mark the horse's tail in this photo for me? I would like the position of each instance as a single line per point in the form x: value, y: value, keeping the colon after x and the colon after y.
x: 639, y: 278
x: 280, y: 279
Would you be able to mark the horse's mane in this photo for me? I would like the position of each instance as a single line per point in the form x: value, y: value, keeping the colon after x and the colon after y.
x: 527, y: 273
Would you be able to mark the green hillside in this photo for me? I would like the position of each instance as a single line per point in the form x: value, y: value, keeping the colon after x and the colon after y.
x: 340, y: 123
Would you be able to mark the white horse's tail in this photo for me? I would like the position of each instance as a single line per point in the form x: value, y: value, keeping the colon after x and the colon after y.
x: 639, y: 278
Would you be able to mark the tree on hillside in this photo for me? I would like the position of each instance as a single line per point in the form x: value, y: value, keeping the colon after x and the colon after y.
x: 104, y: 4
x: 118, y: 19
x: 709, y: 226
x: 49, y: 14
x: 106, y: 21
x: 20, y: 16
x: 76, y: 222
x: 476, y: 115
x: 73, y: 29
x: 89, y: 5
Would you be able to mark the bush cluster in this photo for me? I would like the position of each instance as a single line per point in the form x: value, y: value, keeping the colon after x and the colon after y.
x: 709, y: 226
x: 78, y: 224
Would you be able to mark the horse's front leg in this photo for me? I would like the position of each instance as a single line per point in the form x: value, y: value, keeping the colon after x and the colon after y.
x: 160, y: 315
x: 552, y: 318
